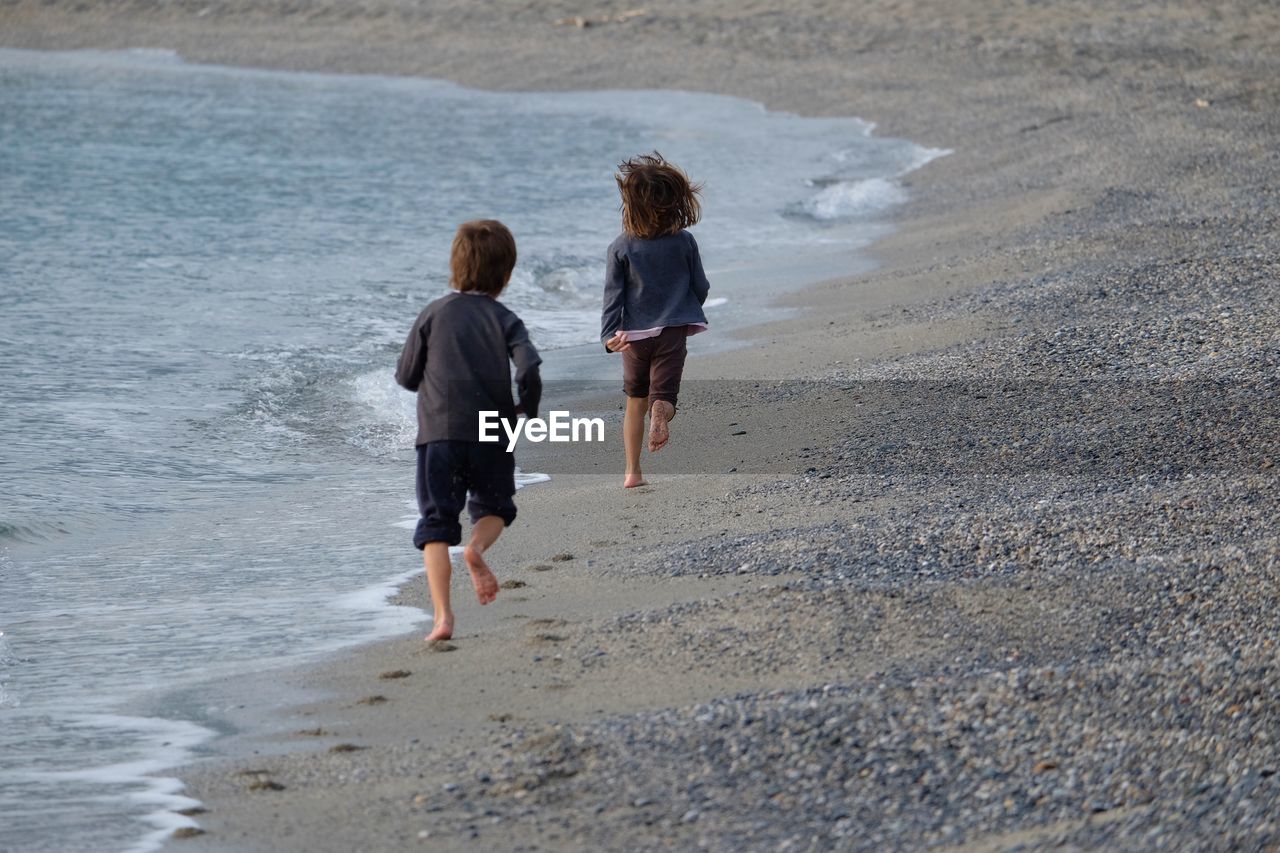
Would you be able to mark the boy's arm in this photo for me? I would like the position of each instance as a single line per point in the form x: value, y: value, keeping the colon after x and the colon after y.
x: 413, y: 358
x: 697, y: 277
x: 526, y: 359
x: 615, y: 282
x: 529, y: 386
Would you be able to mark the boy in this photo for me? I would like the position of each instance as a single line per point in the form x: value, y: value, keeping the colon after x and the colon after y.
x: 457, y: 359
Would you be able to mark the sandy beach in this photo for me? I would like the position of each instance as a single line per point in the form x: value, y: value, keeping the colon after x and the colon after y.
x: 978, y: 551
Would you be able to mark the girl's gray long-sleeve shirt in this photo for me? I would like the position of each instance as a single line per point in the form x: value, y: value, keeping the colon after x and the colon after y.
x: 653, y: 283
x: 458, y: 358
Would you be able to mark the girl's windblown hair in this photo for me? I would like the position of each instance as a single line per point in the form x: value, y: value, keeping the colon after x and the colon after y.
x: 657, y: 197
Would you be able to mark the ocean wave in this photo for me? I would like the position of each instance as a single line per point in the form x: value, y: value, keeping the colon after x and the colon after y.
x: 846, y: 199
x: 383, y: 416
x: 164, y: 743
x: 558, y: 298
x: 31, y: 533
x: 922, y: 156
x: 848, y: 194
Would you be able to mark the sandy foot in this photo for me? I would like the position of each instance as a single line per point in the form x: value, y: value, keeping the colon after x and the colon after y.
x: 486, y: 584
x: 443, y: 630
x: 634, y: 480
x: 660, y: 415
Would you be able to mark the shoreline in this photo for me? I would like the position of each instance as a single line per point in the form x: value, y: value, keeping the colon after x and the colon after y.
x: 1100, y: 224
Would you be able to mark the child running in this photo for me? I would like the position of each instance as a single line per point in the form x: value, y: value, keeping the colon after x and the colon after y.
x: 654, y: 288
x: 457, y: 358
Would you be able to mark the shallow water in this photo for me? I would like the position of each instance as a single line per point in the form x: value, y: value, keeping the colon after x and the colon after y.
x: 205, y: 278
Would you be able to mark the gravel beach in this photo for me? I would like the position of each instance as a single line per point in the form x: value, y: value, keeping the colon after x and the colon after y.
x: 980, y: 550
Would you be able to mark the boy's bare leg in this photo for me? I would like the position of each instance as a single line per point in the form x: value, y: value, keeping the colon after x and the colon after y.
x: 485, y: 532
x: 633, y: 439
x: 435, y: 556
x: 659, y: 432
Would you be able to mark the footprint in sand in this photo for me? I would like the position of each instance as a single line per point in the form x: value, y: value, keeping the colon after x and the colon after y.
x: 372, y: 700
x: 513, y: 584
x: 257, y: 774
x: 346, y: 747
x: 541, y: 567
x: 396, y: 673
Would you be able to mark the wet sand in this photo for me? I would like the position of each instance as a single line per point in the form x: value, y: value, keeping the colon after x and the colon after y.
x: 990, y: 561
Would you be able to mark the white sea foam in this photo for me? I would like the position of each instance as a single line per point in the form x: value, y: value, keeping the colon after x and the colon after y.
x: 374, y: 601
x: 860, y: 195
x: 167, y: 744
x: 530, y: 478
x: 854, y: 198
x: 386, y: 419
x: 922, y: 156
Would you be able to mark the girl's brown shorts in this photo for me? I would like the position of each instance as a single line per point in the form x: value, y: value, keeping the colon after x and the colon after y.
x: 652, y: 367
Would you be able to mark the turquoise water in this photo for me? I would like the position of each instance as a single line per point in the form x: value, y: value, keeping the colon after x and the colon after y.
x: 205, y: 278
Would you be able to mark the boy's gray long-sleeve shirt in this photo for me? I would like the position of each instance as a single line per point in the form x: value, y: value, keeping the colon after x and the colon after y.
x: 458, y: 358
x: 653, y: 283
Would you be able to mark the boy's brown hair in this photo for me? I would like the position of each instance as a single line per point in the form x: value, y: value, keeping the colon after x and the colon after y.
x: 483, y: 255
x: 657, y: 197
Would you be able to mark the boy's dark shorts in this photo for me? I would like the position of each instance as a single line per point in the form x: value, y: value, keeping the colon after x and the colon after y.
x: 447, y: 471
x: 652, y: 367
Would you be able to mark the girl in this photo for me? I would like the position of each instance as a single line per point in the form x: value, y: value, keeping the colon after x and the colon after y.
x: 654, y: 288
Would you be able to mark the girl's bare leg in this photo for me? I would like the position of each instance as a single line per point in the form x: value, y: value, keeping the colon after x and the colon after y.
x: 485, y: 532
x: 435, y: 557
x: 633, y: 439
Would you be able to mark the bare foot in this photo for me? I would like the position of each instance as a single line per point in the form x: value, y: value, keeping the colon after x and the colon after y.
x: 486, y: 584
x: 443, y: 629
x: 634, y: 480
x: 659, y: 433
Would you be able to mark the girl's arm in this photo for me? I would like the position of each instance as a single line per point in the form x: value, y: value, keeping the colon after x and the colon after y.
x: 697, y: 277
x: 615, y: 284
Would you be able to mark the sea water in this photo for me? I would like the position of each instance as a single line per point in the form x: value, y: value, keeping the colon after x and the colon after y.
x: 205, y: 278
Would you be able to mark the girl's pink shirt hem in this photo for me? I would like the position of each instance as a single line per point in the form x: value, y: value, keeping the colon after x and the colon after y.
x: 641, y: 334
